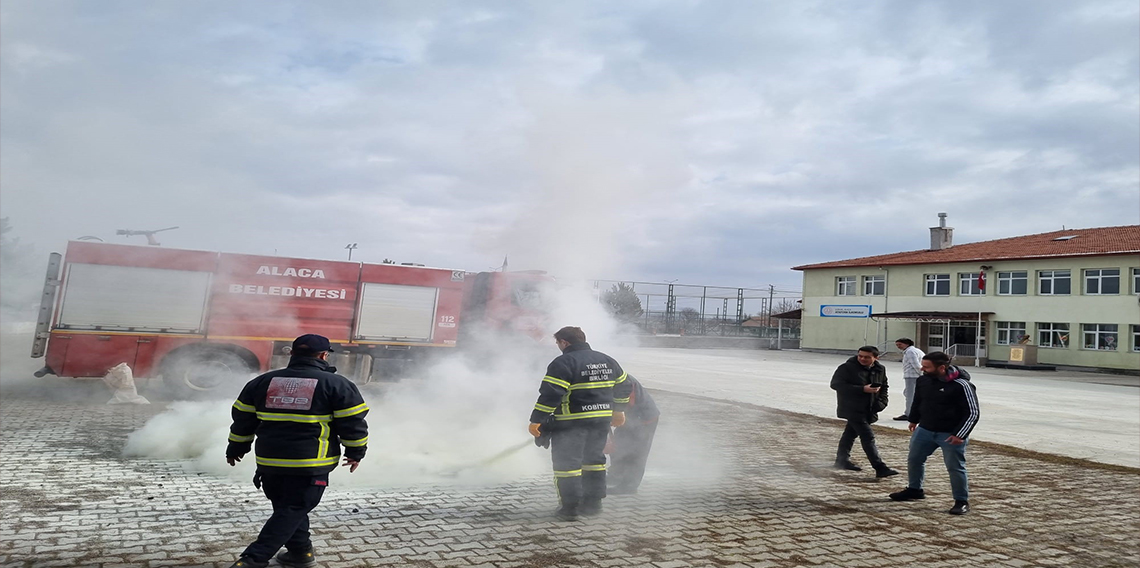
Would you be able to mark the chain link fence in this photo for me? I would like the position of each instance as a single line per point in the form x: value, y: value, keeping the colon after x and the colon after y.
x: 669, y: 308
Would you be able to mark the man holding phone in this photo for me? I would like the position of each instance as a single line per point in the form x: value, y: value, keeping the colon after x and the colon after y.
x: 860, y: 385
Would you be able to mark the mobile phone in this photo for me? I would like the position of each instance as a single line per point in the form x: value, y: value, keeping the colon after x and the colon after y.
x: 876, y: 385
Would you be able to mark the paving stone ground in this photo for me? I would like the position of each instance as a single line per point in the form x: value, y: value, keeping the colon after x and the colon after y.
x: 755, y: 491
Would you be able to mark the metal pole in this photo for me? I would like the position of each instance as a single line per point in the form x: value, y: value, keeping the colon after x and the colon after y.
x: 704, y: 292
x: 978, y: 342
x: 771, y: 292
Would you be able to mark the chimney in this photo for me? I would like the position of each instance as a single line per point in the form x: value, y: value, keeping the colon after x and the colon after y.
x: 941, y: 237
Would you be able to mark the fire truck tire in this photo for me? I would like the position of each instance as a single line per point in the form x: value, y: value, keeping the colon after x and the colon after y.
x: 207, y: 372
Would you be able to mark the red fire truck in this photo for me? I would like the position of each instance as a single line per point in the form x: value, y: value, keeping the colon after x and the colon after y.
x: 203, y: 321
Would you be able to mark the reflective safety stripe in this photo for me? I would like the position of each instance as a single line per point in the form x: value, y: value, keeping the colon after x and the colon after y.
x: 571, y: 473
x: 315, y: 462
x: 594, y: 385
x: 597, y: 467
x: 323, y: 441
x: 556, y: 381
x: 239, y: 439
x: 622, y: 400
x: 355, y: 443
x: 580, y: 415
x: 543, y: 407
x: 303, y: 418
x: 243, y: 407
x: 620, y: 379
x: 350, y: 411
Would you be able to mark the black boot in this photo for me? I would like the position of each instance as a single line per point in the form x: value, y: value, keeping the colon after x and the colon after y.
x: 566, y: 513
x: 590, y: 508
x: 292, y: 559
x: 846, y: 464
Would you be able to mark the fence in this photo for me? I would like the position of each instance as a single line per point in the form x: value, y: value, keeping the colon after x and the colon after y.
x: 668, y: 308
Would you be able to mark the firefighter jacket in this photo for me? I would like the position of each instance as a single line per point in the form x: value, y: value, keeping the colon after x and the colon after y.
x: 641, y: 408
x: 300, y: 416
x: 581, y: 384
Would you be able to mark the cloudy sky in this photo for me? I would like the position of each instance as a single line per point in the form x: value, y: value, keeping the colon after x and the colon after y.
x: 716, y: 142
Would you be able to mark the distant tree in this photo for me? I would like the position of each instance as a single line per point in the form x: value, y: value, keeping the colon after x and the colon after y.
x: 786, y: 305
x: 623, y: 303
x: 690, y: 319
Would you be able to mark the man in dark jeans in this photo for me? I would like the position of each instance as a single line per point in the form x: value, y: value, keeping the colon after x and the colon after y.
x: 860, y: 385
x: 633, y: 440
x: 300, y: 416
x: 944, y: 412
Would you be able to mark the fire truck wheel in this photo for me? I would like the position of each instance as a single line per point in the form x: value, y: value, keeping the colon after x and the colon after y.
x: 205, y: 373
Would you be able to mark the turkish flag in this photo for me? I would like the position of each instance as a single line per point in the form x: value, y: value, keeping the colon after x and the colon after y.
x: 982, y: 281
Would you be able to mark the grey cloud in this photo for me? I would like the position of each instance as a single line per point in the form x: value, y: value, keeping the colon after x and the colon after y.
x: 714, y: 141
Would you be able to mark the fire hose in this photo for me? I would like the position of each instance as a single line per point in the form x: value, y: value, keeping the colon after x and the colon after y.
x: 488, y: 461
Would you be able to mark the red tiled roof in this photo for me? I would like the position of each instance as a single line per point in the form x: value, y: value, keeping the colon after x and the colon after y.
x: 1083, y: 242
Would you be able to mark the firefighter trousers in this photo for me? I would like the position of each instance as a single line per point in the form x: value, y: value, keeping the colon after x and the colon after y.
x: 293, y: 496
x: 578, y: 453
x: 631, y: 450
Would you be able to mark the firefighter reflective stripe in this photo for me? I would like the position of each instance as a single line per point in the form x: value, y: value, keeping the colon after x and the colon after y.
x: 355, y: 443
x: 556, y: 381
x: 323, y: 441
x: 303, y: 418
x: 314, y: 462
x: 350, y: 411
x: 580, y: 415
x: 243, y: 406
x: 240, y: 439
x: 621, y: 379
x: 622, y: 400
x: 594, y: 385
x: 596, y: 467
x: 543, y: 408
x: 570, y: 473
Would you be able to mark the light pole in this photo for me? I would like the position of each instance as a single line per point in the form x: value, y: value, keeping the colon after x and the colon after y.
x: 350, y: 247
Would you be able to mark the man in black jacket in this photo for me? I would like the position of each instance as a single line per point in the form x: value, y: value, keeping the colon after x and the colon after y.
x: 944, y: 411
x: 633, y: 440
x: 580, y: 397
x: 860, y: 385
x: 300, y: 416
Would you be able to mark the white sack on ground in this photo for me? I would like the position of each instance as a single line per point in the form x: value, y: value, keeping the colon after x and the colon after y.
x: 122, y: 381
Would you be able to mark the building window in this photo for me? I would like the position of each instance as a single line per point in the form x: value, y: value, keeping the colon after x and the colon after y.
x: 1013, y: 283
x: 1053, y: 335
x: 845, y: 286
x: 968, y: 284
x: 874, y: 285
x: 935, y: 339
x: 1136, y: 337
x: 1100, y: 336
x: 937, y: 284
x: 1053, y: 283
x: 1102, y: 281
x: 1010, y: 332
x: 1136, y: 280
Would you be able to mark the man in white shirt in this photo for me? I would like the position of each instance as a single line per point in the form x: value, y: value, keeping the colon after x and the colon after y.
x: 912, y: 369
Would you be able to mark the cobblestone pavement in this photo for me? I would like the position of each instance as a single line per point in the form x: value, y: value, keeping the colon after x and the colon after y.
x: 755, y: 492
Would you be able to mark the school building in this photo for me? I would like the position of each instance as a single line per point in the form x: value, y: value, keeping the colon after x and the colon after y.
x: 1065, y: 298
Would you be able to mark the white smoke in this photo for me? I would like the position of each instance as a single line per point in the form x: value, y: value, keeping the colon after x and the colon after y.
x: 439, y: 426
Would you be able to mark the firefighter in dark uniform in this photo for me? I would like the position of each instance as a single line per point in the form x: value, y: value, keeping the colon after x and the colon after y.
x: 633, y: 440
x: 301, y: 416
x: 576, y: 406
